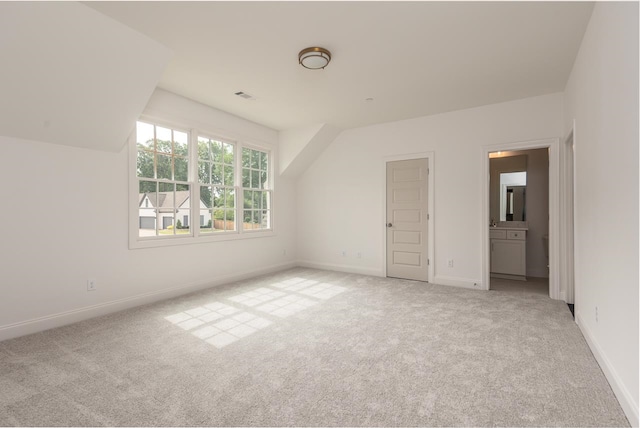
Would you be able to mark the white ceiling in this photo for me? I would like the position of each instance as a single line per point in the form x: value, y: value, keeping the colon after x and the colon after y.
x: 413, y: 58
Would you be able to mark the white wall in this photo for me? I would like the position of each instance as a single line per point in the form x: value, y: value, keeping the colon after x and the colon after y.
x: 602, y: 97
x: 340, y: 197
x: 47, y: 255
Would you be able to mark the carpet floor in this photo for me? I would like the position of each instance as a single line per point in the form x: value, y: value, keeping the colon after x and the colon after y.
x: 308, y: 347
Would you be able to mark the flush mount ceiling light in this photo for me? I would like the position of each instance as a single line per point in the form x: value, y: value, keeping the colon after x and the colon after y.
x: 314, y: 58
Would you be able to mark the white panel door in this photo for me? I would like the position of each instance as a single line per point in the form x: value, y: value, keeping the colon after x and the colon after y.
x: 407, y: 219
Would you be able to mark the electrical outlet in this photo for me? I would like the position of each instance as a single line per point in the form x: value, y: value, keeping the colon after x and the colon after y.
x: 344, y: 253
x: 450, y: 263
x: 359, y: 255
x: 91, y: 284
x: 596, y: 314
x: 284, y: 252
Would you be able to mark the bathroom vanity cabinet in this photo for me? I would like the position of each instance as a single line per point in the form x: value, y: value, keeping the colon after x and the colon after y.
x: 508, y: 253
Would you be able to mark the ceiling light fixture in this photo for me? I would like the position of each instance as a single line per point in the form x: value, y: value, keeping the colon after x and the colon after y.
x: 314, y: 58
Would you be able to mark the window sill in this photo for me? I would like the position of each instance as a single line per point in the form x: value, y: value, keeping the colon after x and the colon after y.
x: 154, y: 242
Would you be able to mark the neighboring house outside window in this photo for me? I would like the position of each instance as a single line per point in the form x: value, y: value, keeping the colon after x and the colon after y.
x: 164, y: 209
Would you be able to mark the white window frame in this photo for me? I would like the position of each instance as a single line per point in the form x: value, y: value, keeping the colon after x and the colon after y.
x: 235, y: 145
x: 269, y: 188
x: 195, y: 237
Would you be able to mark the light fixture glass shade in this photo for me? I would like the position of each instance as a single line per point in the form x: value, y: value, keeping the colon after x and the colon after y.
x: 314, y: 58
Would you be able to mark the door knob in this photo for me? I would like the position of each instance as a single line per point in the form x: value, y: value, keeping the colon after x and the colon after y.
x: 389, y: 225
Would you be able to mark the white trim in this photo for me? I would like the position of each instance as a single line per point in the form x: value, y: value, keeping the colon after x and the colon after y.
x: 473, y: 284
x: 340, y: 268
x: 193, y: 177
x: 134, y: 193
x: 240, y: 189
x: 567, y: 259
x: 554, y: 209
x: 623, y: 395
x: 159, y: 241
x: 68, y: 317
x: 430, y: 156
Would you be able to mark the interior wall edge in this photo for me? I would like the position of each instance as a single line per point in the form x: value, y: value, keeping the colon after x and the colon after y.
x: 621, y: 392
x: 60, y: 319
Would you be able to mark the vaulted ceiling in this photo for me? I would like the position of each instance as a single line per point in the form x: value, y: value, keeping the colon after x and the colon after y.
x: 80, y: 74
x: 72, y: 76
x: 412, y: 58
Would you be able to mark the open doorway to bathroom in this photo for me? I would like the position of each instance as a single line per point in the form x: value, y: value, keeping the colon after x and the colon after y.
x: 519, y: 221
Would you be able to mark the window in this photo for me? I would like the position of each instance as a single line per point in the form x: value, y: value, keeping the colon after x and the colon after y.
x: 216, y: 160
x: 162, y: 165
x: 229, y: 182
x: 256, y: 193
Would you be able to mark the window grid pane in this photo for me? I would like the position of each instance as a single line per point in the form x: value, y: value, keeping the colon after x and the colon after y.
x: 162, y: 153
x: 256, y: 196
x: 216, y: 167
x: 223, y: 203
x: 162, y: 163
x: 257, y: 212
x: 255, y: 169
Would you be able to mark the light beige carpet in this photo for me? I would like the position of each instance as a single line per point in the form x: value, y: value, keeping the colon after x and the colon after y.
x: 308, y: 347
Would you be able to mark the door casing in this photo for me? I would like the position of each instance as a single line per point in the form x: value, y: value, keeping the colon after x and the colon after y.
x: 568, y: 218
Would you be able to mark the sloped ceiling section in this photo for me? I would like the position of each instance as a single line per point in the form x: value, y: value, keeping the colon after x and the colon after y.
x: 73, y: 76
x: 300, y: 147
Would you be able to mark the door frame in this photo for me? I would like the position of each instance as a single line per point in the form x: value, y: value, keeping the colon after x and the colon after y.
x: 568, y: 188
x: 430, y: 156
x: 554, y: 207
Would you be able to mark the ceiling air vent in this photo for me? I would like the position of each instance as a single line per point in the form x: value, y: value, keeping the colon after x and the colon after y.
x: 245, y: 96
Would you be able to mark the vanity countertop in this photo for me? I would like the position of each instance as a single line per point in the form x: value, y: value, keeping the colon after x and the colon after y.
x: 507, y: 228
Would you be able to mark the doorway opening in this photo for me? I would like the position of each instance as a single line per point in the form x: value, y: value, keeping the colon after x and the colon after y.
x: 520, y: 244
x: 519, y: 229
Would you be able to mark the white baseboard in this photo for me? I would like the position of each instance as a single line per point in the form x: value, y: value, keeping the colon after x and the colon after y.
x: 341, y: 268
x: 47, y: 322
x: 473, y: 284
x: 623, y: 395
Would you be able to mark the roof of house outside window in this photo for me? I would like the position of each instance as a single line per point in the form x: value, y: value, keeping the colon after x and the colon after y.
x: 164, y: 201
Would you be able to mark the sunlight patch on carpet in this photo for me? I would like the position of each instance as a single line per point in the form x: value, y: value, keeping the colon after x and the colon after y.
x: 220, y: 324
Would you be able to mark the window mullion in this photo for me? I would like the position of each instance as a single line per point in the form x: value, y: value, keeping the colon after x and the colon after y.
x: 192, y: 174
x: 239, y: 216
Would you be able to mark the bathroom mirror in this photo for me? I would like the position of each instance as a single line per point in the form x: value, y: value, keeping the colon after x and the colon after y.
x: 513, y: 191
